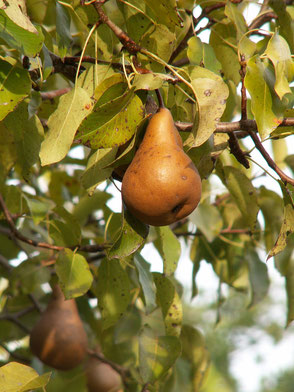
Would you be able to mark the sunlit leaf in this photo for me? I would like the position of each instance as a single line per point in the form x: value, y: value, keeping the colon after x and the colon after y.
x: 73, y: 107
x: 164, y: 11
x: 74, y: 274
x: 236, y: 16
x: 223, y: 40
x: 27, y: 42
x: 212, y: 93
x: 16, y: 377
x: 279, y: 53
x: 112, y: 123
x: 261, y: 98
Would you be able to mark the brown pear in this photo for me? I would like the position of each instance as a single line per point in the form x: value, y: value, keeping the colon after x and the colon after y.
x: 101, y: 377
x: 161, y: 185
x: 59, y: 339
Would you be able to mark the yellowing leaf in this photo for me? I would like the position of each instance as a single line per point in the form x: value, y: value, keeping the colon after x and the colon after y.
x: 279, y: 53
x: 73, y: 107
x: 261, y: 99
x: 212, y: 93
x: 15, y: 377
x: 169, y: 301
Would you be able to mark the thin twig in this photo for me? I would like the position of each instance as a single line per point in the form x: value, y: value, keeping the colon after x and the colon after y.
x: 4, y: 263
x: 269, y: 160
x: 49, y: 95
x: 36, y: 303
x: 15, y: 355
x: 131, y: 46
x: 17, y: 234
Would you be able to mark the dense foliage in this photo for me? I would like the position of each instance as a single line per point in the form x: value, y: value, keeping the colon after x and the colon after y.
x: 78, y: 81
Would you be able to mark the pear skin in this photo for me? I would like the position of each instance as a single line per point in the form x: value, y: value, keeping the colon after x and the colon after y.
x: 101, y: 377
x: 59, y: 339
x: 161, y: 185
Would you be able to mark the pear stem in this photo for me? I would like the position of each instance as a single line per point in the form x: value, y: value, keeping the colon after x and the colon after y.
x: 160, y: 99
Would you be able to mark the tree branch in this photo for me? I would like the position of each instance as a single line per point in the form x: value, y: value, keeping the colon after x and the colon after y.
x: 269, y: 160
x: 17, y: 234
x: 14, y: 318
x: 131, y: 46
x: 227, y: 127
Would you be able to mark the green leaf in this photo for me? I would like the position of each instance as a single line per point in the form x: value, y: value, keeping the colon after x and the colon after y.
x: 27, y: 42
x: 13, y: 9
x: 146, y: 282
x: 73, y: 107
x: 112, y: 123
x: 290, y: 291
x: 170, y: 303
x: 164, y: 12
x: 93, y: 76
x: 74, y: 274
x: 11, y: 76
x: 212, y: 93
x: 287, y: 227
x: 194, y: 349
x: 285, y: 21
x: 200, y: 53
x: 223, y: 40
x: 113, y: 291
x: 157, y: 354
x: 279, y: 53
x: 208, y: 219
x: 96, y: 170
x: 235, y: 15
x: 243, y: 193
x: 169, y: 248
x: 149, y: 81
x: 62, y: 233
x: 27, y: 133
x: 132, y: 235
x: 64, y: 38
x: 89, y: 204
x: 261, y: 98
x: 15, y: 377
x: 271, y: 205
x: 159, y: 40
x: 29, y: 275
x: 258, y: 276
